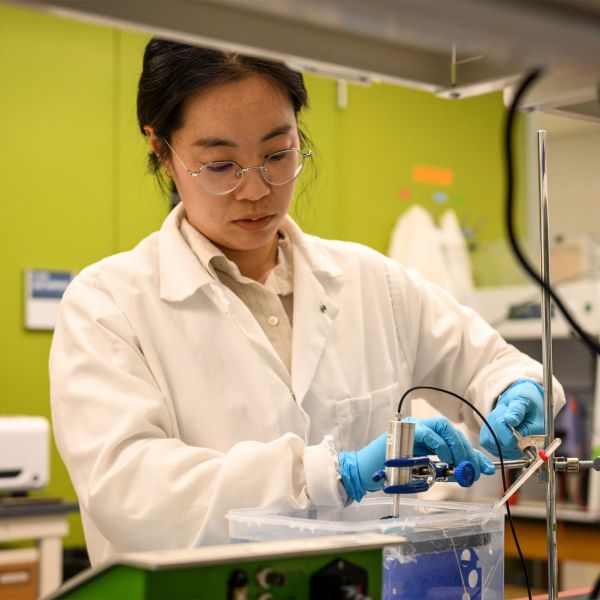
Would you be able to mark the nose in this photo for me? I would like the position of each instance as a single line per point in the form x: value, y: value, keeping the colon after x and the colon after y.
x: 253, y: 187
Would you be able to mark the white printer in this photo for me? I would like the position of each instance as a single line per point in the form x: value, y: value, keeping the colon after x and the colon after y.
x: 24, y: 453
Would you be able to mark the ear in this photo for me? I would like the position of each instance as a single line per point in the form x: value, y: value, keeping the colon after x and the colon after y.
x: 153, y: 139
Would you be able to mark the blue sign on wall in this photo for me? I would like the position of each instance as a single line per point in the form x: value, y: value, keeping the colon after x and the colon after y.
x: 49, y: 284
x: 43, y: 290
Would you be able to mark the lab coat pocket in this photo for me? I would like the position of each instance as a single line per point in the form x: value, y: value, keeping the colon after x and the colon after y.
x: 363, y: 418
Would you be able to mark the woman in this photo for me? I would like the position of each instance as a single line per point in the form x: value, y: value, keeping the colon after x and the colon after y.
x: 230, y: 360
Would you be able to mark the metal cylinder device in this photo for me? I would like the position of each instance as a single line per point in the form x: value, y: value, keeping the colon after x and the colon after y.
x: 400, y: 443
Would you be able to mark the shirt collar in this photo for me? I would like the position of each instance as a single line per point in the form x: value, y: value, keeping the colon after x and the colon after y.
x: 215, y: 261
x: 204, y: 250
x: 281, y: 279
x: 182, y: 271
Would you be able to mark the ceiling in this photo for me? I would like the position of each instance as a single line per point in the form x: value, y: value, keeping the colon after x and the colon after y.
x: 451, y: 48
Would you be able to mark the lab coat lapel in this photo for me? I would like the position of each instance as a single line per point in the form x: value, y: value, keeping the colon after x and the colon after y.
x: 314, y: 316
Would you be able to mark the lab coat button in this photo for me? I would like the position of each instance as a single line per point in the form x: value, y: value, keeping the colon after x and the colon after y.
x: 323, y: 308
x: 273, y: 321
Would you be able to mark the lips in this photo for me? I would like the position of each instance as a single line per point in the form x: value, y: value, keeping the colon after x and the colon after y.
x: 254, y: 222
x: 254, y: 217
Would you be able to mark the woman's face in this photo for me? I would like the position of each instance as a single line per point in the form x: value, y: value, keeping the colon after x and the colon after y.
x: 244, y: 121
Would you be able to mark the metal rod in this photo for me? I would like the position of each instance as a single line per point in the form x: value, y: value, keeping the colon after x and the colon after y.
x: 561, y: 463
x: 517, y: 463
x: 547, y: 366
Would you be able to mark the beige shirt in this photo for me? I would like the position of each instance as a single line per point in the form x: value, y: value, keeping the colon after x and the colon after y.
x: 271, y: 303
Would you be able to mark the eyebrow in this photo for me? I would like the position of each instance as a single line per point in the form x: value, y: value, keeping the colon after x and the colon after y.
x: 275, y: 132
x: 214, y: 142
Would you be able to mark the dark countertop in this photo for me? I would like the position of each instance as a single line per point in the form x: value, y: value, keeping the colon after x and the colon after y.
x: 25, y: 506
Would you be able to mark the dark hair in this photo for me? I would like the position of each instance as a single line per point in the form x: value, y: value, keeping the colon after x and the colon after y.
x: 172, y: 72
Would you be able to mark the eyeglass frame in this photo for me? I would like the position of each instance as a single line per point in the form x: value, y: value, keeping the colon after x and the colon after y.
x: 243, y: 170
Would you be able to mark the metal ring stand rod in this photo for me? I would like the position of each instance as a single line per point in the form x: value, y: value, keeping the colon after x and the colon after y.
x: 547, y: 366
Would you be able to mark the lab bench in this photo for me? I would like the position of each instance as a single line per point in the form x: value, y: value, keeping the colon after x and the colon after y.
x: 45, y: 522
x: 579, y: 541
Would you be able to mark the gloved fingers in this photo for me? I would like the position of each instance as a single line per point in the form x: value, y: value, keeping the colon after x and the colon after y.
x: 441, y: 438
x: 461, y: 449
x: 428, y: 441
x: 509, y: 449
x: 504, y: 434
x: 468, y: 453
x: 487, y: 441
x: 455, y: 440
x: 485, y: 464
x: 481, y: 464
x: 357, y: 468
x: 530, y: 427
x: 452, y: 449
x: 516, y: 410
x: 524, y: 399
x: 369, y: 460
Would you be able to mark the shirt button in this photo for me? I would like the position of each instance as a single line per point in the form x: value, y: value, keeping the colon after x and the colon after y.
x: 273, y: 321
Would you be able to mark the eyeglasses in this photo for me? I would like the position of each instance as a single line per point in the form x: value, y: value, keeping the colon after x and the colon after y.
x: 223, y: 176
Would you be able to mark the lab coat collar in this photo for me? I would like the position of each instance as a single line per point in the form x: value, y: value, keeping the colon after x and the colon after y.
x: 317, y: 262
x: 181, y: 274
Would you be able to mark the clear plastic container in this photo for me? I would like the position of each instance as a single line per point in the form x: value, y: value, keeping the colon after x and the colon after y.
x: 452, y: 551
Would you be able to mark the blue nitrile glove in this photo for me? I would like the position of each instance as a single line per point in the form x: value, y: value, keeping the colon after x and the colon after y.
x: 357, y: 468
x: 522, y: 406
x: 437, y: 435
x: 432, y: 436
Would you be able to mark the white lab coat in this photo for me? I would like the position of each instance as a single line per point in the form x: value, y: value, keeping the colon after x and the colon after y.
x: 170, y: 406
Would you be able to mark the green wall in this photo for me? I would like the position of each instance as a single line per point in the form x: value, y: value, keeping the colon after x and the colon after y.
x: 74, y: 186
x: 72, y: 183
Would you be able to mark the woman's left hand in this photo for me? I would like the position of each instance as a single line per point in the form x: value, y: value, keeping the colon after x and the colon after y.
x: 435, y: 435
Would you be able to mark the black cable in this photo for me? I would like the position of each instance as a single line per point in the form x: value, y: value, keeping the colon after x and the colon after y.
x: 586, y: 338
x: 478, y: 413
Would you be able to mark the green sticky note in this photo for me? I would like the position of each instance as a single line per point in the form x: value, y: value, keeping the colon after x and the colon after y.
x: 596, y: 451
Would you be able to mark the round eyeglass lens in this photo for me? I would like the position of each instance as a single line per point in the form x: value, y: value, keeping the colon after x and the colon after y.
x: 283, y: 167
x: 219, y: 177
